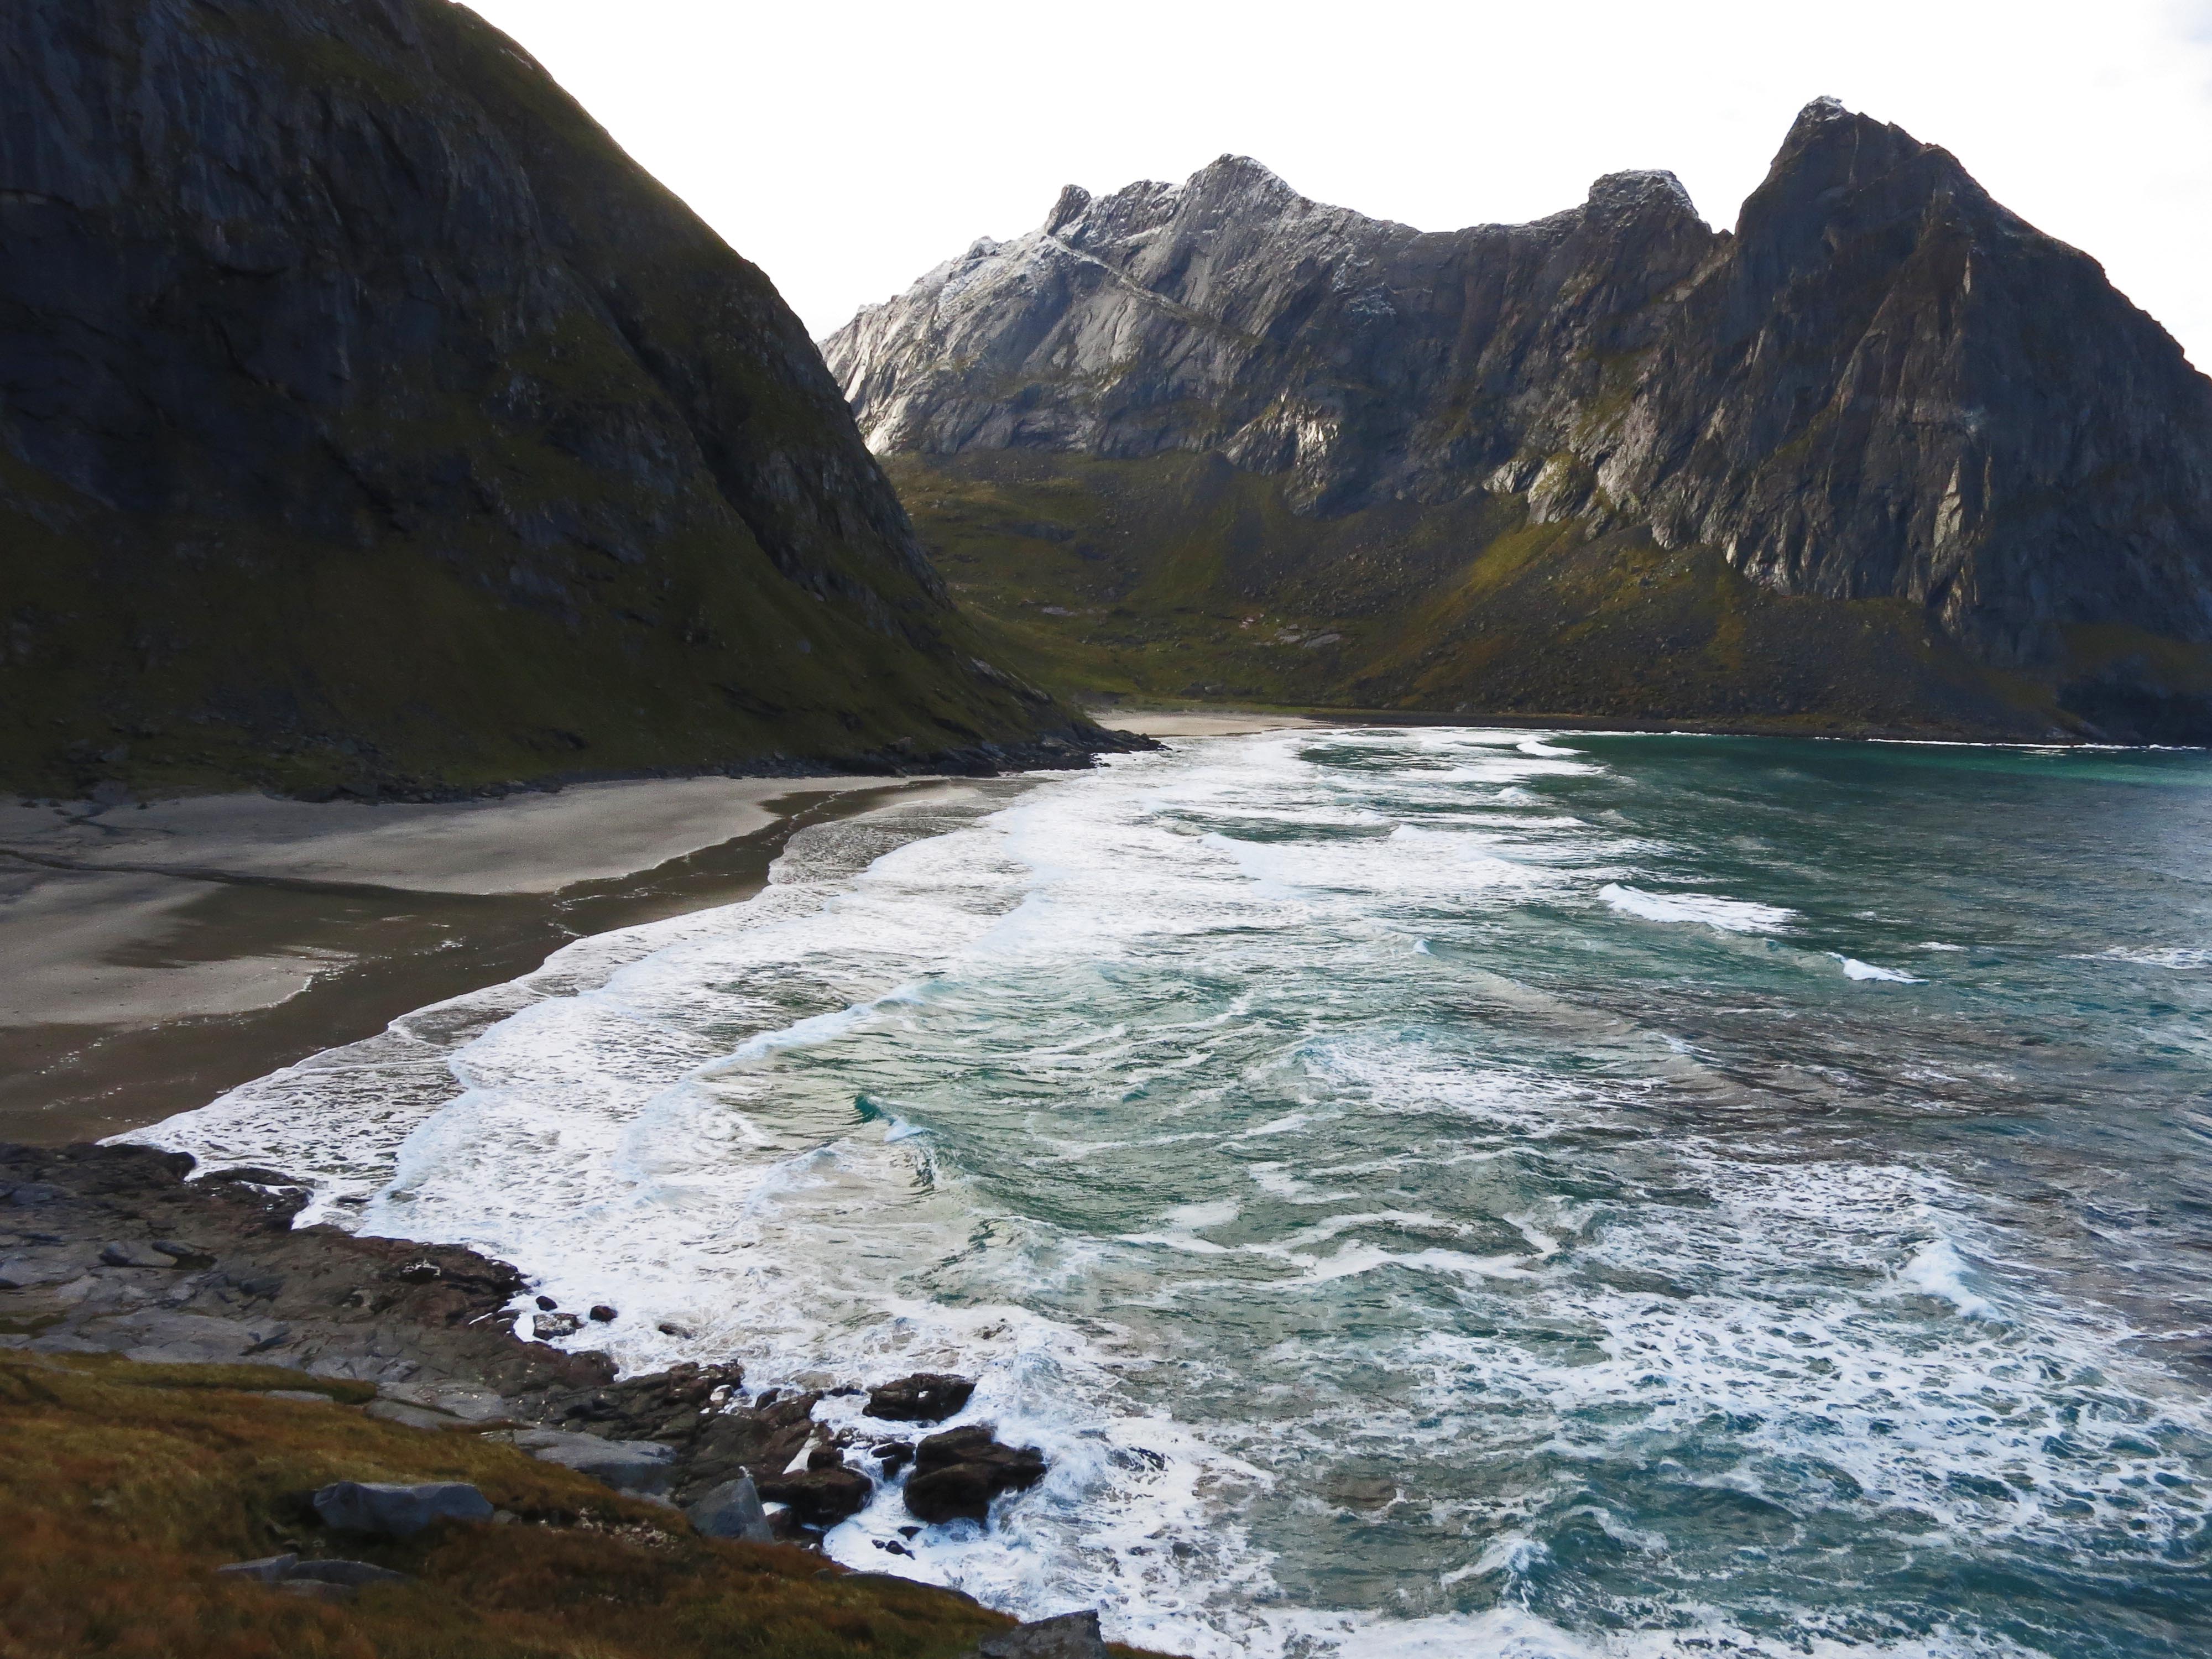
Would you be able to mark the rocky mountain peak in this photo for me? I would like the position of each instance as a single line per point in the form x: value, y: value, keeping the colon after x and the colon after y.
x: 1229, y: 176
x: 1839, y: 174
x: 1625, y: 194
x: 1883, y: 386
x: 1073, y: 201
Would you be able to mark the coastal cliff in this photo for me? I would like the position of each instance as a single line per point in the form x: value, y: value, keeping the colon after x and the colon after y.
x: 369, y: 420
x: 1884, y: 457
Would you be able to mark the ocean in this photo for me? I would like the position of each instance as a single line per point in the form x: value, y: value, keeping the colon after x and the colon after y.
x: 1429, y: 1191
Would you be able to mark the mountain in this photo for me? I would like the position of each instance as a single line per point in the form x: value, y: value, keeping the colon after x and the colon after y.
x: 1884, y: 458
x: 369, y: 420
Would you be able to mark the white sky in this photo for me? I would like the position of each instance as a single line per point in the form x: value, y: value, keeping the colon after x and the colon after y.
x: 847, y: 147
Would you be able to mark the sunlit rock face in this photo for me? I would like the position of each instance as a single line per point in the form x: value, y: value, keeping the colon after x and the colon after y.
x: 1881, y: 384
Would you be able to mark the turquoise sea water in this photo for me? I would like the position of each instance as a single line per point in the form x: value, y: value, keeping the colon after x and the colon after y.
x: 1430, y: 1191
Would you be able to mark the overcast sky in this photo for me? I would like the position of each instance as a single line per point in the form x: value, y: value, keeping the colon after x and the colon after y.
x: 846, y: 148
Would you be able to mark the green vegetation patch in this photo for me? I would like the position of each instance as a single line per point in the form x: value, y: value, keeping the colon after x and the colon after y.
x: 122, y: 1486
x: 1179, y: 578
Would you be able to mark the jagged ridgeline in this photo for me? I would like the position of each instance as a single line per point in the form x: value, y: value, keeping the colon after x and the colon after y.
x: 1885, y: 458
x: 367, y: 417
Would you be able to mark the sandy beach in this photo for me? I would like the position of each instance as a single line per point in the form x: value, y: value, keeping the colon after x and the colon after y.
x: 153, y: 955
x: 1201, y: 722
x: 151, y: 958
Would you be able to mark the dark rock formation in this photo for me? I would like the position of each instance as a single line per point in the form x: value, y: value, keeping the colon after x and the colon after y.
x: 430, y: 1326
x: 732, y: 1510
x: 819, y: 1497
x: 924, y: 1397
x: 378, y: 1309
x: 1882, y: 391
x: 957, y: 1474
x: 1070, y: 1635
x: 368, y: 420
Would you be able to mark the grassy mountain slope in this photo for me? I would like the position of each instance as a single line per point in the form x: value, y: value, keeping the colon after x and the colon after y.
x: 1181, y: 577
x: 368, y: 419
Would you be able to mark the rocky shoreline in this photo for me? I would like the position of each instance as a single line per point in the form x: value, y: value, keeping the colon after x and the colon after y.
x: 111, y: 1249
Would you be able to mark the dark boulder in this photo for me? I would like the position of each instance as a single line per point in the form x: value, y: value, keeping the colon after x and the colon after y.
x: 760, y: 1441
x: 957, y: 1474
x: 924, y: 1397
x: 732, y: 1510
x: 1070, y: 1635
x: 821, y: 1498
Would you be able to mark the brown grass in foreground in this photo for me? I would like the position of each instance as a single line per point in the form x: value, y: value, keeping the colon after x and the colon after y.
x: 122, y: 1486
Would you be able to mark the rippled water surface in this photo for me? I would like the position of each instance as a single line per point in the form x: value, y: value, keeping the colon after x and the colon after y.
x: 1430, y: 1191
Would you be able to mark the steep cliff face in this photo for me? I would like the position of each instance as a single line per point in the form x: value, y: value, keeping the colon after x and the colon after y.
x: 368, y: 418
x: 1882, y: 389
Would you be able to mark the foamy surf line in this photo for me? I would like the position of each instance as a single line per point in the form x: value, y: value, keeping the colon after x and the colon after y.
x: 1242, y: 1119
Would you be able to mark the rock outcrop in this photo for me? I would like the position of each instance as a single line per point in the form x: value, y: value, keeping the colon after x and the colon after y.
x: 1882, y: 390
x: 957, y: 1474
x: 924, y: 1397
x: 428, y: 1333
x: 369, y: 420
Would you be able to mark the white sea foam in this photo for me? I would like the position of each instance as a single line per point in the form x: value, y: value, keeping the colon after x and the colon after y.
x: 1854, y: 968
x: 1724, y: 915
x: 1131, y: 1100
x: 2181, y: 959
x: 1936, y: 1269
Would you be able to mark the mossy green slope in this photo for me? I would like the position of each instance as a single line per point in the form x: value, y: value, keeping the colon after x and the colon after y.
x: 1180, y: 577
x: 122, y: 1486
x: 368, y: 419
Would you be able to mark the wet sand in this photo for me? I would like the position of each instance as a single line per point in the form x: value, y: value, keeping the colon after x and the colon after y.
x: 152, y: 959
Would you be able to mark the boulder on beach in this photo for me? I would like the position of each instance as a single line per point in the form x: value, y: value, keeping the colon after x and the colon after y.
x: 398, y: 1511
x: 957, y: 1474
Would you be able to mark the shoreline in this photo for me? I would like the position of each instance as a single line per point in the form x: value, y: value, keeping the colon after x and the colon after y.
x: 1146, y: 720
x: 154, y: 955
x: 126, y: 1289
x: 1200, y: 721
x: 151, y: 959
